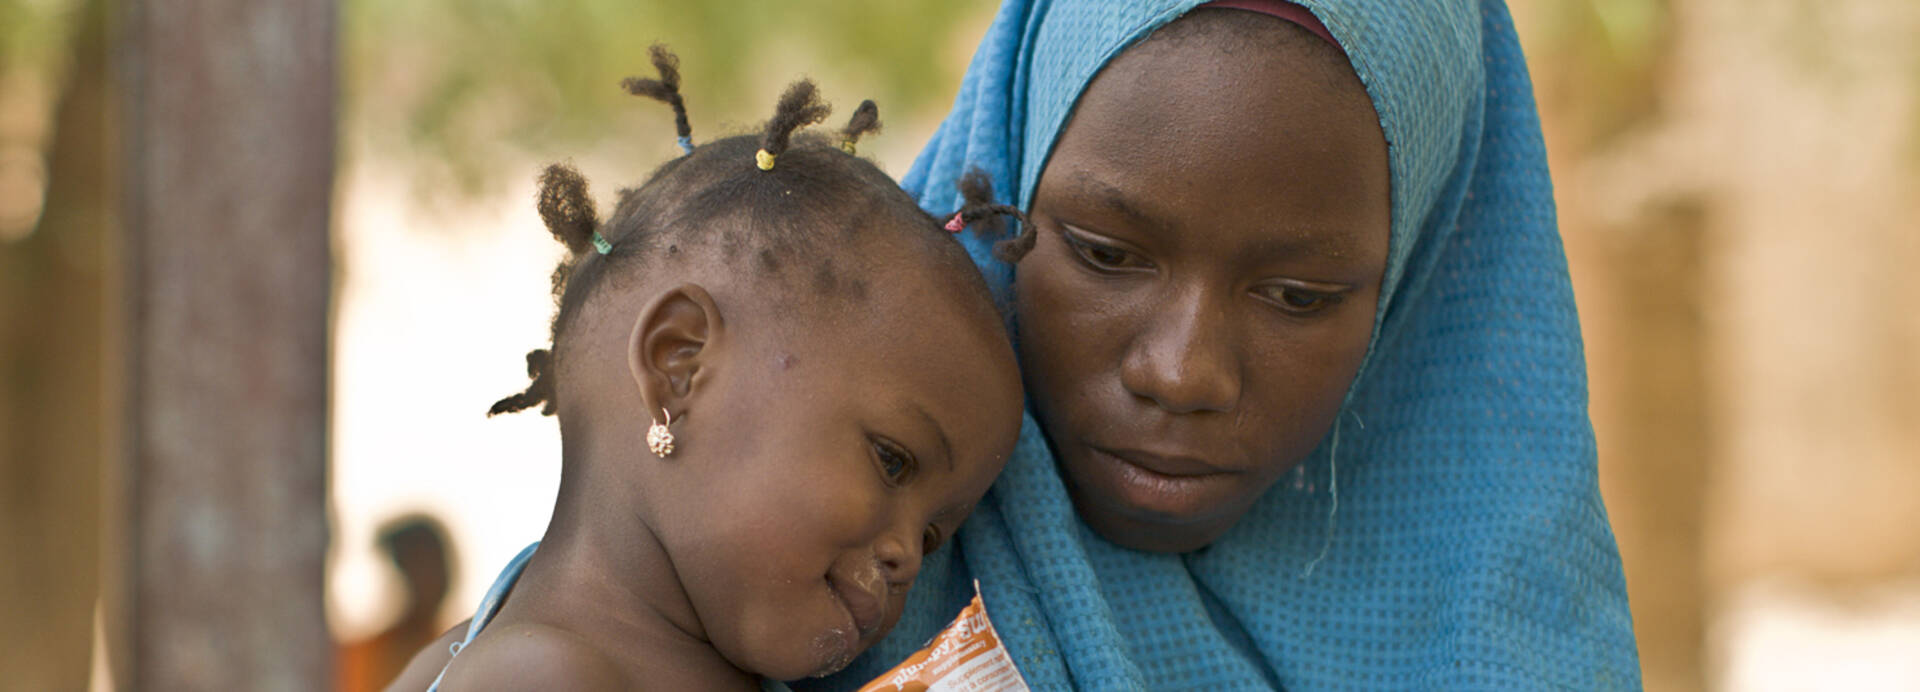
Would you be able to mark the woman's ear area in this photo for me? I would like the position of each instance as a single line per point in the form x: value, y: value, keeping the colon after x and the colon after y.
x: 669, y: 350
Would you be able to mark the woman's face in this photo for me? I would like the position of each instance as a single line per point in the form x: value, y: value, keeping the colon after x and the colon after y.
x: 1212, y: 231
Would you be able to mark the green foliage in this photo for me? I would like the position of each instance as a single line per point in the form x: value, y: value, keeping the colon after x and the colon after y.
x: 1607, y: 57
x: 34, y: 33
x: 36, y: 53
x: 456, y: 86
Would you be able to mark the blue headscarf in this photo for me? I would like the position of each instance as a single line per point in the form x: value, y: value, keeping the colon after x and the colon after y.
x: 1468, y: 548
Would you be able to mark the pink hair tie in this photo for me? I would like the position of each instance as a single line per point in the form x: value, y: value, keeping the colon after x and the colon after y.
x: 956, y: 224
x: 1288, y: 11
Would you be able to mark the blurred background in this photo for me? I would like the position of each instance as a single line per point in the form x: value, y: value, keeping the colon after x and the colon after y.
x: 1738, y: 185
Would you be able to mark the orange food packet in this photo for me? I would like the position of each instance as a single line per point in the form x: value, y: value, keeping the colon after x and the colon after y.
x: 964, y: 657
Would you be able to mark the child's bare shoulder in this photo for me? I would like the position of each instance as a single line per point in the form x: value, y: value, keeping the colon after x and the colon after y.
x: 419, y: 673
x: 531, y: 656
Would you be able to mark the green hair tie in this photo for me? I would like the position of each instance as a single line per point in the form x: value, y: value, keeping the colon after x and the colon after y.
x: 600, y: 243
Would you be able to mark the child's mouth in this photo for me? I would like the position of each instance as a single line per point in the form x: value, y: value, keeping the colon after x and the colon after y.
x: 865, y: 609
x: 863, y: 600
x: 840, y: 643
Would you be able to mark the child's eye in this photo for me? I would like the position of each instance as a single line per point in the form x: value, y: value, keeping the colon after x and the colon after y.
x: 1297, y: 300
x: 1102, y: 256
x: 931, y: 540
x: 896, y: 463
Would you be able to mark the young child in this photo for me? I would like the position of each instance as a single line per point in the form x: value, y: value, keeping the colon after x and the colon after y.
x: 780, y: 384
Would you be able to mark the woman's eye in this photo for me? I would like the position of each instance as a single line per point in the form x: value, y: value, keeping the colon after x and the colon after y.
x: 1102, y: 256
x: 930, y: 541
x: 1105, y: 255
x: 1298, y: 300
x: 896, y: 464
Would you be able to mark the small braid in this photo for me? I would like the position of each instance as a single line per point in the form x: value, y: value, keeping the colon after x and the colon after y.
x: 538, y: 393
x: 666, y: 88
x: 566, y: 207
x: 1013, y: 249
x: 866, y: 120
x: 695, y: 197
x: 799, y: 107
x: 977, y: 205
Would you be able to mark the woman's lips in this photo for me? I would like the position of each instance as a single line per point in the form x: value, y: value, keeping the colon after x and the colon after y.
x: 1163, y: 464
x: 1162, y: 489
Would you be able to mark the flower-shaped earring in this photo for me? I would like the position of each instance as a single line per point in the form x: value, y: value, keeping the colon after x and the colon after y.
x: 659, y: 438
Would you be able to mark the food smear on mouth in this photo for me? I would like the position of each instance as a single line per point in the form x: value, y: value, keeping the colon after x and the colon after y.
x: 837, y: 647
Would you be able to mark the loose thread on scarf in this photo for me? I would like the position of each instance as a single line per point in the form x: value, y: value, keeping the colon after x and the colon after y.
x: 1333, y: 489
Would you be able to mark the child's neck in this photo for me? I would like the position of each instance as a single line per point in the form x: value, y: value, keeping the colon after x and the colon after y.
x: 614, y: 587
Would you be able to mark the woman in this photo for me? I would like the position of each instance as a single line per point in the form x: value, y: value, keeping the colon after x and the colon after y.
x: 1307, y: 387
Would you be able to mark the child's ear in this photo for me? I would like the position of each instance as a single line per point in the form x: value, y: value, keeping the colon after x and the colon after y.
x: 670, y: 346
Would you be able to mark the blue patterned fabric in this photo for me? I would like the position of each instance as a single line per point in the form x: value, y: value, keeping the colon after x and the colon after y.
x: 1470, y: 548
x: 490, y: 603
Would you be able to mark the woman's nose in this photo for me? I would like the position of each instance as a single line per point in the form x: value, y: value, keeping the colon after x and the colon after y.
x: 1182, y: 357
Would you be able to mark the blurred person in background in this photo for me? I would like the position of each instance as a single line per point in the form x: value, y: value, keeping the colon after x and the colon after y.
x: 419, y: 547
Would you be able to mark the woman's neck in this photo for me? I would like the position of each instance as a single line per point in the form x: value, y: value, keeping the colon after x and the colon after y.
x: 613, y: 584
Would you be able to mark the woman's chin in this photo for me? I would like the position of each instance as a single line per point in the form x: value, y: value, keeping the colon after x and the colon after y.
x: 1136, y: 531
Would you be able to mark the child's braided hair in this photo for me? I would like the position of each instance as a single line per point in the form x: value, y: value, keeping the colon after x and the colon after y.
x: 666, y: 88
x: 977, y: 206
x: 771, y: 197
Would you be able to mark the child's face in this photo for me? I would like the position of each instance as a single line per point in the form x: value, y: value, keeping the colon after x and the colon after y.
x: 1212, y: 231
x: 821, y: 461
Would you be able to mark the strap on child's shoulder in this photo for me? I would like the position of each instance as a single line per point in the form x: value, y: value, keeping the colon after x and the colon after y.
x: 489, y: 606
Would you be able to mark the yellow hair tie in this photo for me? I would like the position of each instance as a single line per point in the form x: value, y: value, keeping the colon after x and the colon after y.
x: 846, y: 145
x: 765, y: 160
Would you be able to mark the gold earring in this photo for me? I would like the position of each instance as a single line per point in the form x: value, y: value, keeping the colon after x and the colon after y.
x: 659, y: 438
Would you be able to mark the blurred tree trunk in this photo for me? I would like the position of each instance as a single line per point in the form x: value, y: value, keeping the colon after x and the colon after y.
x: 1662, y: 444
x: 54, y: 415
x: 228, y: 113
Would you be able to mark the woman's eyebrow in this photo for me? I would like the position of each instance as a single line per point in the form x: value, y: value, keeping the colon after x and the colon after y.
x: 1084, y: 184
x: 1292, y: 241
x: 946, y: 448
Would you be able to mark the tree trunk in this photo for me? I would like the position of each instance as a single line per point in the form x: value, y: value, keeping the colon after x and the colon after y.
x: 229, y: 129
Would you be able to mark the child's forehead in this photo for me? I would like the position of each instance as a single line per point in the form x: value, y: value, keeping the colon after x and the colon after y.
x: 910, y: 345
x: 872, y: 303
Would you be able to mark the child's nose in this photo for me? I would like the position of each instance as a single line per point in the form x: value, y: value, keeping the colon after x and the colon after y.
x: 899, y: 556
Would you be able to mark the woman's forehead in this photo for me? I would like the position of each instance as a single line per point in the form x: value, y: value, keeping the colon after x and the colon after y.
x: 1175, y: 119
x: 1419, y: 62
